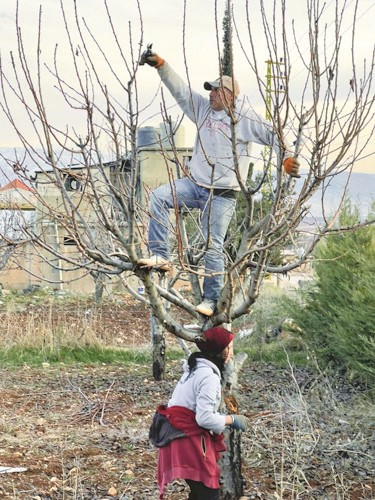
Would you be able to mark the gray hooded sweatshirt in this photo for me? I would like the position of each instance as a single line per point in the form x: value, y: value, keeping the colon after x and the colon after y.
x: 200, y: 391
x: 212, y: 162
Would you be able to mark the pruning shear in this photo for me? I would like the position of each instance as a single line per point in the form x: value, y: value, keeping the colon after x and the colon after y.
x: 147, y: 53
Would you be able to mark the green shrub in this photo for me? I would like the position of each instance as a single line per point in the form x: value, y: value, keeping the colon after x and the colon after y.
x: 337, y: 313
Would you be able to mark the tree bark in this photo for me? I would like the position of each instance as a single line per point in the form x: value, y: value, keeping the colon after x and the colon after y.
x: 231, y: 461
x: 231, y: 467
x: 158, y: 349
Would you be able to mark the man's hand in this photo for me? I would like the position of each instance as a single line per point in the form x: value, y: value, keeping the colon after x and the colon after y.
x: 149, y: 57
x: 291, y: 167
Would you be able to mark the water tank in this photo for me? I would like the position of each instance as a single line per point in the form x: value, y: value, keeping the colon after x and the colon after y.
x: 179, y: 135
x: 148, y: 137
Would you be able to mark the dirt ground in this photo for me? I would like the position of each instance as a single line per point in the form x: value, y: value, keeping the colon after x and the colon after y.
x: 82, y: 432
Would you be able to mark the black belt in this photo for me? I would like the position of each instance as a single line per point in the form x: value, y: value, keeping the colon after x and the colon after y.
x: 225, y: 193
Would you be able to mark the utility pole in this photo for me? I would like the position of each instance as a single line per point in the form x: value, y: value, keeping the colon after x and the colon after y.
x: 274, y: 84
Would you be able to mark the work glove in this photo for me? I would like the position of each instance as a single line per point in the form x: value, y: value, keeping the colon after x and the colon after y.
x: 149, y: 57
x: 291, y: 167
x: 240, y: 422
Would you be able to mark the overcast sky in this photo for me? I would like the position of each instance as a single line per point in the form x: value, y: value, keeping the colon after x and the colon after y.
x: 163, y: 24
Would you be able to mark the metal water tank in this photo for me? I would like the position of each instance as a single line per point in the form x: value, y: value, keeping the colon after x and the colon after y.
x: 148, y: 137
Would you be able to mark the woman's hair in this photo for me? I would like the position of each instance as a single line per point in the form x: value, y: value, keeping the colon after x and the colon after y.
x: 216, y: 359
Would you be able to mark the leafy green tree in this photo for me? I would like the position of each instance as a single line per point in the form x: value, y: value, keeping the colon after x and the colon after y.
x: 337, y: 315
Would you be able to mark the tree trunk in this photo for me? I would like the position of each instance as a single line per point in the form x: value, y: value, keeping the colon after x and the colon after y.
x: 231, y: 467
x: 158, y: 349
x: 99, y: 279
x: 231, y: 463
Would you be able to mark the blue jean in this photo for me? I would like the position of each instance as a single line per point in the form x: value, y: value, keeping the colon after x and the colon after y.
x: 215, y: 219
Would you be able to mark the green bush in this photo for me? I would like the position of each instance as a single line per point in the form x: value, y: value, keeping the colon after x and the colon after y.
x: 337, y: 313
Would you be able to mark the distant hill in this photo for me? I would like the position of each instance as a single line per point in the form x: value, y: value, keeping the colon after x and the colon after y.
x: 8, y: 158
x: 361, y: 186
x: 361, y: 191
x: 11, y: 156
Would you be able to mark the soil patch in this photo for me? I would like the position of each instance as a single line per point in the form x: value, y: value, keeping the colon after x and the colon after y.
x: 82, y: 432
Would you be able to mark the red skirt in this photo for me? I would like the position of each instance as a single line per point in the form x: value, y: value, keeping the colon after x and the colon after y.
x: 193, y: 457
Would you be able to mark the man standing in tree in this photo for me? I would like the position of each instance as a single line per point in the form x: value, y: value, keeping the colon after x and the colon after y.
x: 215, y: 175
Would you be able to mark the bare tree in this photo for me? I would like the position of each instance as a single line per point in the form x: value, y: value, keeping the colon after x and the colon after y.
x: 8, y: 238
x: 105, y: 215
x: 16, y: 214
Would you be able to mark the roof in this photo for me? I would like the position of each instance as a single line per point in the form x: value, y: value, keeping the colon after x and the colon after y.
x: 16, y: 184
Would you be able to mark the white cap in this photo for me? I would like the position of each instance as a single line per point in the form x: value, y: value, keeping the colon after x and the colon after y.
x: 225, y: 81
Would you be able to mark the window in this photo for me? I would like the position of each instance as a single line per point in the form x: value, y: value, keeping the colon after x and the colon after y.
x: 72, y: 182
x: 69, y: 242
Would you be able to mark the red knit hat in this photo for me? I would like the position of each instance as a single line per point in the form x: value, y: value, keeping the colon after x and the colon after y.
x: 216, y: 340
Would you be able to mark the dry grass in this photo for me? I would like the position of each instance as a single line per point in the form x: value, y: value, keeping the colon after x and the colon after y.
x: 46, y: 322
x: 52, y: 328
x: 318, y: 439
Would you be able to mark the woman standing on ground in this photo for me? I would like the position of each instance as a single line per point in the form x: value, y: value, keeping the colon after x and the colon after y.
x: 189, y: 430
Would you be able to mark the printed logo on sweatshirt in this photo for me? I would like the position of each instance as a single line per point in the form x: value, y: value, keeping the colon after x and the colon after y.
x: 215, y: 125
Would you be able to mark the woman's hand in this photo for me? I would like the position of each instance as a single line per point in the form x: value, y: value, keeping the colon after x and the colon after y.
x: 239, y: 422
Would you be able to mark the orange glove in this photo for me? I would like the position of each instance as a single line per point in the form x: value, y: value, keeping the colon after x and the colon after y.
x: 291, y: 167
x: 149, y: 57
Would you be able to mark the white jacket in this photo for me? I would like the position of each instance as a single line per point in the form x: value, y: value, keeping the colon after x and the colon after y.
x: 213, y: 143
x: 200, y: 392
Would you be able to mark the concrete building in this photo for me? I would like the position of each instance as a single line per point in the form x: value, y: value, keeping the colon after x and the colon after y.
x: 17, y: 210
x: 158, y: 162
